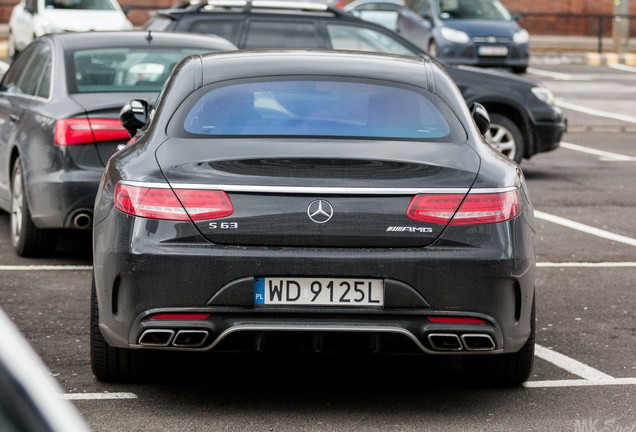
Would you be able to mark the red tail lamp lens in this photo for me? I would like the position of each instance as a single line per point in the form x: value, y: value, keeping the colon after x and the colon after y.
x: 179, y: 205
x: 180, y: 317
x: 78, y: 131
x: 455, y: 320
x: 459, y: 209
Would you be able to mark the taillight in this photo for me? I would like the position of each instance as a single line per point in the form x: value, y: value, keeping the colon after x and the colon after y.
x: 472, y: 209
x: 77, y: 131
x: 179, y: 205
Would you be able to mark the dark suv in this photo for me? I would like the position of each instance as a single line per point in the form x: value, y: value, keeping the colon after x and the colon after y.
x: 524, y: 120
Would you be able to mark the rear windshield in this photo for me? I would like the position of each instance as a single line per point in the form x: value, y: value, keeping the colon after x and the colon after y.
x: 137, y: 69
x: 79, y: 4
x: 316, y: 108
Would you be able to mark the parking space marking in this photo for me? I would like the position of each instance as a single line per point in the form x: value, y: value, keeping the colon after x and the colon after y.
x: 558, y: 75
x: 563, y: 104
x: 43, y: 267
x: 585, y: 228
x: 623, y: 67
x: 587, y: 264
x: 579, y: 383
x: 98, y: 396
x: 591, y: 376
x: 569, y: 364
x: 604, y: 155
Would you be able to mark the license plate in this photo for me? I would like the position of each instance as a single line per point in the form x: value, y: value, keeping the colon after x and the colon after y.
x: 493, y: 51
x: 318, y: 291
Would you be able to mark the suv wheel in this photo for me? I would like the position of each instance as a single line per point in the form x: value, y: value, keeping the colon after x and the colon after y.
x: 505, y: 136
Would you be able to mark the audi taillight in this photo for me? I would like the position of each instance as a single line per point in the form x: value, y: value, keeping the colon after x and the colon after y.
x: 459, y: 209
x: 78, y: 131
x: 178, y: 205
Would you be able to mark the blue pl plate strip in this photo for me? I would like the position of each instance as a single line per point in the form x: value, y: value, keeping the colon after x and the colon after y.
x: 259, y: 290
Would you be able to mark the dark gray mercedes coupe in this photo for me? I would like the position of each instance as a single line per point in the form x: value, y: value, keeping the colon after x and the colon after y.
x: 316, y: 201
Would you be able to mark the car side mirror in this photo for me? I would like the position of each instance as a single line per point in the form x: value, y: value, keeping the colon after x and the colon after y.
x: 134, y: 115
x: 126, y: 9
x: 481, y: 117
x: 516, y: 17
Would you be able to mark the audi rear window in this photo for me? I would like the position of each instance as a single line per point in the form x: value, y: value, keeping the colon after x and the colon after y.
x: 123, y: 69
x: 342, y: 108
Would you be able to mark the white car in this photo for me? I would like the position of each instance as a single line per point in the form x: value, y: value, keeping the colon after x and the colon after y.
x: 34, y: 18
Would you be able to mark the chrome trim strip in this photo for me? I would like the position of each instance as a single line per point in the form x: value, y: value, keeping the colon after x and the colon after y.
x: 315, y: 190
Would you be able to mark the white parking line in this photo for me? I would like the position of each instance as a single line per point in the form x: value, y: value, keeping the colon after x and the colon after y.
x: 587, y: 264
x: 42, y: 267
x: 623, y: 67
x: 98, y: 396
x: 569, y: 364
x: 585, y: 228
x: 563, y: 104
x: 604, y: 155
x: 591, y: 376
x: 579, y: 383
x: 558, y: 75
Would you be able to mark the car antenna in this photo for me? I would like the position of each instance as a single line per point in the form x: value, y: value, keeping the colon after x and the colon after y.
x: 149, y: 36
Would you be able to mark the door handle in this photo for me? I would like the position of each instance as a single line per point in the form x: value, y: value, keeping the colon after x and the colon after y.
x: 14, y: 117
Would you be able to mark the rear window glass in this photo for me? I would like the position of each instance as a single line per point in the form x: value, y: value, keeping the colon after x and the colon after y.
x: 123, y: 69
x: 316, y: 108
x: 79, y: 4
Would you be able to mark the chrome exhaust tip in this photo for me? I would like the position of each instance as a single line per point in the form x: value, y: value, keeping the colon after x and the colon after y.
x: 156, y: 337
x: 190, y: 338
x: 477, y: 342
x: 82, y: 220
x: 445, y: 341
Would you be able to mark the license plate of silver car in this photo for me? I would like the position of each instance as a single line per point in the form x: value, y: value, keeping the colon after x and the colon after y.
x: 307, y: 291
x: 493, y: 51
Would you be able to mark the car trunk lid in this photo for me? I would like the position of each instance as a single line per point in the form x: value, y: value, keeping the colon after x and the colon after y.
x: 287, y: 192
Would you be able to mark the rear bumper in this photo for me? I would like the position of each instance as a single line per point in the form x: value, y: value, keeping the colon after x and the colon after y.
x: 55, y: 198
x: 144, y: 269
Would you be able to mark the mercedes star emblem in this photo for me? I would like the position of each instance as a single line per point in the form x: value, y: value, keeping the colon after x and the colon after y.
x: 320, y: 211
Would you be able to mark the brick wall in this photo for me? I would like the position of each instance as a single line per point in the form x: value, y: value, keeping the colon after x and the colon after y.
x: 536, y: 25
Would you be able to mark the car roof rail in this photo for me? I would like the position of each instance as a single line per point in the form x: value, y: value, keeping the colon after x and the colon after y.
x: 248, y: 5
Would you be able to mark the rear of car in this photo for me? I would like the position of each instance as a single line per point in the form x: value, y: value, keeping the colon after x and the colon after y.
x: 63, y: 97
x: 321, y: 202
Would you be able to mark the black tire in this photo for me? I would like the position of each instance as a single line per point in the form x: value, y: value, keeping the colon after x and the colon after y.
x: 505, y: 136
x: 111, y: 364
x: 27, y: 239
x: 519, y: 69
x: 503, y: 369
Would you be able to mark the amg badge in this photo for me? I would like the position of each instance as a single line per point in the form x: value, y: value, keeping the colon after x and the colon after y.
x: 410, y: 229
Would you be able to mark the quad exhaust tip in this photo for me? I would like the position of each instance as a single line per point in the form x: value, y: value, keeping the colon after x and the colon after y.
x: 156, y: 337
x: 445, y: 341
x: 478, y: 342
x: 167, y: 337
x: 468, y: 342
x: 190, y: 338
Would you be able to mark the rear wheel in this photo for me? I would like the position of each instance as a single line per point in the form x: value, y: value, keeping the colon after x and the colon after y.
x: 503, y: 369
x: 505, y: 136
x: 27, y: 239
x: 110, y: 364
